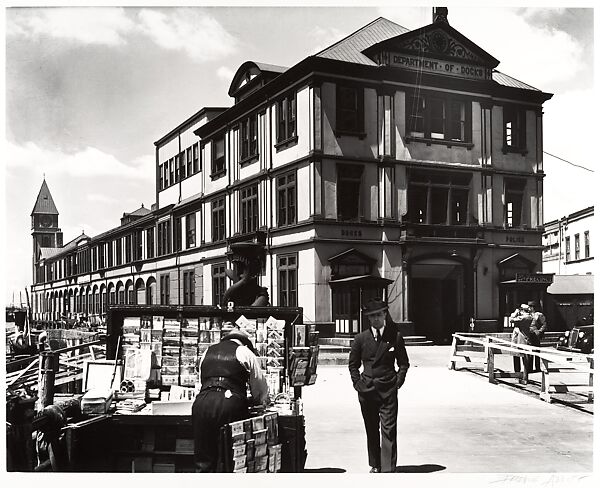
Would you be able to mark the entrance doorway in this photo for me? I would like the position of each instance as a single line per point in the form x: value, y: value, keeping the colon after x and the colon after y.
x: 437, y: 299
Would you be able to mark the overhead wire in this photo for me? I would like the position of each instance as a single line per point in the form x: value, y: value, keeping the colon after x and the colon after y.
x: 569, y: 162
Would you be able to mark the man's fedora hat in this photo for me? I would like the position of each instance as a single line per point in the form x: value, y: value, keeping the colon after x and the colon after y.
x: 374, y: 306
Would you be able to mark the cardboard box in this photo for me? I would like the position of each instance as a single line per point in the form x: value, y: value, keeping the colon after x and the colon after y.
x: 172, y: 408
x: 96, y: 402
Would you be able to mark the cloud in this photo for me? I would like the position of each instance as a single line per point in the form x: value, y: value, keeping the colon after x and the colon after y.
x: 225, y: 73
x: 192, y: 31
x: 323, y: 37
x: 89, y: 162
x: 89, y: 25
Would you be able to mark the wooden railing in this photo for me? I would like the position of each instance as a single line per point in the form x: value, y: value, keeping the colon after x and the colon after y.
x: 480, y: 350
x: 71, y: 361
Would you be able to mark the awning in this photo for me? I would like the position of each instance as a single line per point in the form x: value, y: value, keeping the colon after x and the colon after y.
x: 572, y: 285
x: 362, y: 280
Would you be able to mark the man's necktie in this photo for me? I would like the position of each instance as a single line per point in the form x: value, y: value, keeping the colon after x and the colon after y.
x: 378, y: 335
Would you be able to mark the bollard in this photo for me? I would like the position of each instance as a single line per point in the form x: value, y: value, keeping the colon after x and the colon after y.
x: 47, y: 374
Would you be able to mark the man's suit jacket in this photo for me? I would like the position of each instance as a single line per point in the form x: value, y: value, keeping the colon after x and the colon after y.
x: 379, y: 373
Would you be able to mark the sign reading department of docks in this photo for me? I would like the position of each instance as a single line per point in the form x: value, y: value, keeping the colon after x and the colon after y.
x: 461, y: 70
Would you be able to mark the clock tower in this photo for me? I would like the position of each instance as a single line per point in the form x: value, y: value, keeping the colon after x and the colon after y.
x: 44, y: 225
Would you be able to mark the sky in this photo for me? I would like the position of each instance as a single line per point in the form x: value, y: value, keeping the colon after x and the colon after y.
x: 89, y: 90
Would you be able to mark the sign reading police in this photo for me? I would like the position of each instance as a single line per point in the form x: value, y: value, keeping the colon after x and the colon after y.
x: 442, y: 67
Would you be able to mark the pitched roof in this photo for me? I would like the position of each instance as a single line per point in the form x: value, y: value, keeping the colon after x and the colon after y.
x: 349, y: 49
x: 140, y: 212
x: 504, y: 79
x: 44, y: 203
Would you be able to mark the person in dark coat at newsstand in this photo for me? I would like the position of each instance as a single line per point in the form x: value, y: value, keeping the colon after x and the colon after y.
x: 378, y: 348
x: 226, y: 370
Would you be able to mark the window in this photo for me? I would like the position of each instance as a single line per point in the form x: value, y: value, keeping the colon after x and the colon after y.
x: 119, y: 251
x: 286, y: 199
x: 177, y: 162
x: 438, y: 198
x: 128, y: 249
x: 190, y: 230
x: 577, y: 256
x: 164, y: 238
x: 138, y: 247
x: 161, y: 177
x: 350, y: 109
x: 513, y: 201
x: 249, y: 138
x: 94, y: 258
x: 110, y: 254
x: 586, y: 243
x: 286, y: 118
x: 568, y: 248
x: 177, y: 241
x: 218, y: 283
x: 189, y: 283
x: 287, y: 269
x: 182, y: 166
x: 437, y: 117
x: 164, y: 289
x: 195, y: 158
x: 218, y: 156
x: 150, y: 243
x: 348, y: 191
x: 171, y: 171
x: 249, y: 209
x: 188, y: 155
x: 514, y: 129
x: 101, y: 254
x: 218, y: 219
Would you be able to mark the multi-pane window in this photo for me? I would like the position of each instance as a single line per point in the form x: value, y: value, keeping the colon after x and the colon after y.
x: 189, y: 282
x: 568, y: 248
x: 190, y: 230
x: 94, y: 258
x: 218, y: 283
x: 349, y: 179
x: 218, y: 155
x: 438, y: 198
x: 150, y: 243
x: 101, y: 254
x: 287, y: 271
x: 513, y: 201
x: 128, y: 249
x: 172, y: 171
x: 286, y: 199
x: 249, y: 209
x: 218, y: 219
x: 188, y: 161
x: 286, y: 118
x: 195, y: 158
x: 164, y: 238
x: 350, y: 109
x: 438, y: 117
x: 249, y: 138
x: 177, y: 241
x: 514, y: 128
x: 586, y: 244
x: 577, y: 255
x: 164, y: 289
x: 138, y: 246
x: 119, y: 249
x: 110, y: 253
x: 177, y: 163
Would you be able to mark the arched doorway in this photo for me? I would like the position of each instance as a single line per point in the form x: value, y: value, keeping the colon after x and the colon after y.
x: 437, y: 298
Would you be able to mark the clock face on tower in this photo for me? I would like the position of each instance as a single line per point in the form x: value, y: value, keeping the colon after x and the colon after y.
x: 45, y: 221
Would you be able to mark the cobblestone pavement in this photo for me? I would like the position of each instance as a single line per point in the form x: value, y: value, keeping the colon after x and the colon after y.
x: 451, y: 422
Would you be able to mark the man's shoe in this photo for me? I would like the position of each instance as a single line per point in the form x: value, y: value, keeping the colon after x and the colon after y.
x: 374, y: 470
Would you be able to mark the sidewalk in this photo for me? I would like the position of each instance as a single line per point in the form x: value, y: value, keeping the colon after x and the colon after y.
x: 448, y: 422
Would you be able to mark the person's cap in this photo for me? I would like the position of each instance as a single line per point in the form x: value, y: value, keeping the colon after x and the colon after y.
x: 531, y: 304
x: 524, y: 306
x: 374, y: 306
x: 241, y: 336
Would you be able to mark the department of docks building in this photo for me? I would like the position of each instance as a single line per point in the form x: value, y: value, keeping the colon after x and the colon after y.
x: 394, y: 162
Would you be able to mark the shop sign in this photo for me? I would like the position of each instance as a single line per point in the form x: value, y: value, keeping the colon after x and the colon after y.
x: 461, y: 70
x: 534, y: 278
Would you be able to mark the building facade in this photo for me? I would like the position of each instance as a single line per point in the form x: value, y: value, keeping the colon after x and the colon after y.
x: 393, y: 163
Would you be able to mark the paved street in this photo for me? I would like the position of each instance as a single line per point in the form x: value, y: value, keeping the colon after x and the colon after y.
x: 448, y: 422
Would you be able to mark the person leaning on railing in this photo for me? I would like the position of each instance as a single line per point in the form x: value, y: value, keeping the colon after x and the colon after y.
x: 521, y: 319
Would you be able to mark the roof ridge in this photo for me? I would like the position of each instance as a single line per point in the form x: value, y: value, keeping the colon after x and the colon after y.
x: 364, y: 27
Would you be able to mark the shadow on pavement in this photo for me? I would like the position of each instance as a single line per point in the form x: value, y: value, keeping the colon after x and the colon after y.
x: 324, y: 470
x: 422, y: 468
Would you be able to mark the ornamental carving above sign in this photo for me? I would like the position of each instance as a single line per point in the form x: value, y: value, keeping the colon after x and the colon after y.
x: 438, y: 42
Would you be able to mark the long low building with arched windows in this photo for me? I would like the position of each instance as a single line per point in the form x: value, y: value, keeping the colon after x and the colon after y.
x: 397, y: 163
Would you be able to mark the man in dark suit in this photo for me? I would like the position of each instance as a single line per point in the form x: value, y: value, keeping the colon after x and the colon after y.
x: 378, y: 348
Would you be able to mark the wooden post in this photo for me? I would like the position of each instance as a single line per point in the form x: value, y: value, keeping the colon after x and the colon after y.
x: 545, y: 390
x: 490, y: 365
x: 452, y: 364
x: 486, y: 348
x: 591, y: 379
x: 48, y: 367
